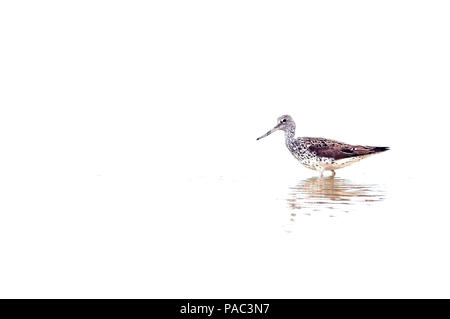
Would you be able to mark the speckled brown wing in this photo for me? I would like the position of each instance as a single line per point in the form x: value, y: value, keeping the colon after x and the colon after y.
x: 338, y: 150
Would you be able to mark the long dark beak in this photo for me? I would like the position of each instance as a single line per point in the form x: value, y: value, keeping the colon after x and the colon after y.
x: 276, y: 128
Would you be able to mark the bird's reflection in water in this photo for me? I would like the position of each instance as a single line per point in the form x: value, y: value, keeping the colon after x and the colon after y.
x: 331, y: 196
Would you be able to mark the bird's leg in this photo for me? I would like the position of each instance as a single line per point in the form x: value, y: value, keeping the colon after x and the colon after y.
x: 333, y: 173
x: 321, y: 173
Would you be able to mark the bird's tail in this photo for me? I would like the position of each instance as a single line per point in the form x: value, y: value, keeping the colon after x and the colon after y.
x: 379, y: 149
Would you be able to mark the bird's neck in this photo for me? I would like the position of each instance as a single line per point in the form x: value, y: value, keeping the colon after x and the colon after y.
x: 289, y: 133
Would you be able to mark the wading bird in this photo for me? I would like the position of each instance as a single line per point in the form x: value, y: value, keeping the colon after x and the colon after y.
x: 318, y: 153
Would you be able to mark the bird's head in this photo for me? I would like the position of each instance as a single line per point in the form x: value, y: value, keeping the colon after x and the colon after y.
x: 284, y: 123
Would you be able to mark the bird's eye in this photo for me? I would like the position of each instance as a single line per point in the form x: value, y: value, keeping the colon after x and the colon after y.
x: 283, y: 121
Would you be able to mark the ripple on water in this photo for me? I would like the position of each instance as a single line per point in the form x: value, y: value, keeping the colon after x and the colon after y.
x: 332, y: 196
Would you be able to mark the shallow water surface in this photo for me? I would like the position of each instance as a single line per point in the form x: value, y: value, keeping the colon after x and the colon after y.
x: 332, y: 196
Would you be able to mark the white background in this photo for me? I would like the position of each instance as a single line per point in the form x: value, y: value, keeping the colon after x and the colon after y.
x: 128, y: 160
